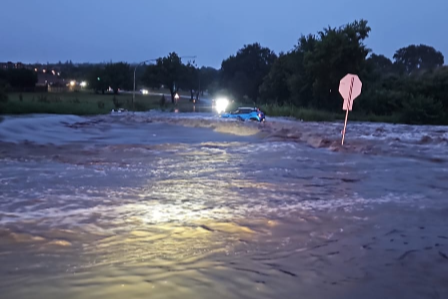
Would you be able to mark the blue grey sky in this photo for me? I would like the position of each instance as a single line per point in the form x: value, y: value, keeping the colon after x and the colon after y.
x: 135, y: 30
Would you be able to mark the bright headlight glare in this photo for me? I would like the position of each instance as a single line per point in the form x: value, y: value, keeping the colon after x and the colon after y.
x: 221, y: 105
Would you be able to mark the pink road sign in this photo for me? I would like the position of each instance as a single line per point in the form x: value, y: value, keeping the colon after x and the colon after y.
x: 350, y: 88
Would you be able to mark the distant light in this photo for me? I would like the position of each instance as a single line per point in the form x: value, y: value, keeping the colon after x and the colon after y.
x: 59, y: 74
x: 72, y: 83
x: 83, y: 84
x: 145, y: 91
x: 53, y: 72
x: 176, y: 96
x: 221, y: 105
x: 98, y: 78
x: 35, y: 70
x: 44, y: 71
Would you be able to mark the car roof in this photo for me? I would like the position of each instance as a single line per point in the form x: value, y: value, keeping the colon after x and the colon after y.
x: 247, y: 108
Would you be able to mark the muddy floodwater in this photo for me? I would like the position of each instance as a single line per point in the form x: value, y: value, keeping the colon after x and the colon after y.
x: 156, y: 205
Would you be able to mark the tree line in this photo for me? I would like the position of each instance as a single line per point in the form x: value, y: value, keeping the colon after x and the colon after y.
x: 413, y: 86
x: 169, y: 72
x: 17, y: 79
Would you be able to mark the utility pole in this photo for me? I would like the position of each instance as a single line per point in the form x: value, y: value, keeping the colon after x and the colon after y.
x: 135, y: 70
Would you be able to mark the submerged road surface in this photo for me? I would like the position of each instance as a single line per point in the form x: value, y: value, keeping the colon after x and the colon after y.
x: 188, y: 206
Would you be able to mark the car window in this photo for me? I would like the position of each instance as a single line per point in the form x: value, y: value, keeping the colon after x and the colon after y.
x: 245, y: 111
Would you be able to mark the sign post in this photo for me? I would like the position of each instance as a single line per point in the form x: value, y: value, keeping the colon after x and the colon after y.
x: 350, y: 88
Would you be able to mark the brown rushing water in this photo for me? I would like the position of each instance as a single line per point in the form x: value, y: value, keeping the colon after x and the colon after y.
x: 190, y: 206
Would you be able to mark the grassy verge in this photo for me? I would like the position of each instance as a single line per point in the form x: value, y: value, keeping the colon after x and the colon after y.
x: 167, y: 91
x: 89, y: 103
x: 299, y: 113
x: 307, y: 114
x: 82, y: 103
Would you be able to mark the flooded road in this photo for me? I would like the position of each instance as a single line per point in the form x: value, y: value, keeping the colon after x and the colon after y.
x: 190, y: 206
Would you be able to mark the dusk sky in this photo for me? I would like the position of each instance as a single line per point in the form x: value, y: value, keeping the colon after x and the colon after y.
x: 135, y: 30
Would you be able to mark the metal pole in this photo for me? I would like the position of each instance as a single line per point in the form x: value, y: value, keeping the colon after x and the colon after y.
x: 133, y: 94
x: 135, y: 70
x: 345, y: 125
x: 199, y: 87
x: 348, y: 108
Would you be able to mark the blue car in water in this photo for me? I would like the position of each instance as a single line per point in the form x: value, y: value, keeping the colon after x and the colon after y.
x: 246, y: 113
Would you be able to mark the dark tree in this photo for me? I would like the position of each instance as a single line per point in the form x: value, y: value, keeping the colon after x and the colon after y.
x: 98, y: 80
x: 151, y: 77
x: 421, y: 57
x: 190, y: 79
x: 244, y: 72
x: 309, y: 75
x: 119, y: 76
x: 167, y: 71
x: 380, y: 63
x: 18, y: 78
x: 275, y: 87
x: 207, y: 76
x: 337, y: 51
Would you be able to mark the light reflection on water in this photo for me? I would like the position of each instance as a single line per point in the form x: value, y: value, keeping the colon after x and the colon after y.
x: 233, y: 217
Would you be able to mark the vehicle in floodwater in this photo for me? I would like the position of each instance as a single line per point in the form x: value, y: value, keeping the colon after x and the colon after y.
x: 118, y: 111
x: 246, y: 113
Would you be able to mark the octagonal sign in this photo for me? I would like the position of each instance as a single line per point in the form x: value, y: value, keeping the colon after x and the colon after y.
x: 350, y: 88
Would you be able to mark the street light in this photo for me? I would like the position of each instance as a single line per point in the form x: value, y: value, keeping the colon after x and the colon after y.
x: 135, y: 69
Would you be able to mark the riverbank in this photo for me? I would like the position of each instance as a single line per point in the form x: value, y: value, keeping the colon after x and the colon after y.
x: 316, y: 115
x: 88, y: 103
x: 306, y: 114
x: 84, y: 103
x: 168, y: 203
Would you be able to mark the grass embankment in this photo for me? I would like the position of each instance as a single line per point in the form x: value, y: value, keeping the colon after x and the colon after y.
x: 306, y: 114
x: 83, y: 103
x: 89, y: 103
x: 167, y: 91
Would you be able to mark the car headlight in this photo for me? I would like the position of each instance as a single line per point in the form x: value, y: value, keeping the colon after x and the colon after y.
x: 221, y: 104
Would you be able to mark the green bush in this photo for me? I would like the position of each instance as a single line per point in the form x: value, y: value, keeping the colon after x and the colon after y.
x: 300, y: 113
x: 423, y: 110
x: 117, y: 103
x: 140, y: 106
x: 42, y: 99
x: 381, y: 101
x: 162, y: 101
x: 3, y: 96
